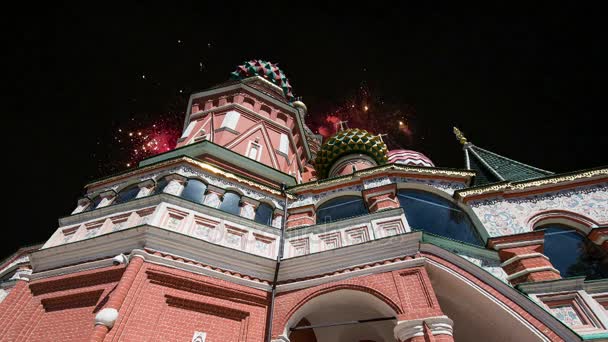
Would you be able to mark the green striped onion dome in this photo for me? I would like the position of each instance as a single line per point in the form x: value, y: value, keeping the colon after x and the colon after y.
x: 350, y: 141
x: 267, y: 70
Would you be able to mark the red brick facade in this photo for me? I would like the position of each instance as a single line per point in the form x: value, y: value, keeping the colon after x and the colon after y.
x: 159, y: 303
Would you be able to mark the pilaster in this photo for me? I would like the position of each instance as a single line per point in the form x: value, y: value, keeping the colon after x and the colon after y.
x: 301, y: 216
x: 381, y: 198
x: 522, y: 257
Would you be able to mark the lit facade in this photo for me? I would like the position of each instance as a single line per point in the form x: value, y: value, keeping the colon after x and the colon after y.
x: 254, y: 229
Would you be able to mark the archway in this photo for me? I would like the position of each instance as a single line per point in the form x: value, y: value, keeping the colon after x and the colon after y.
x: 341, y: 306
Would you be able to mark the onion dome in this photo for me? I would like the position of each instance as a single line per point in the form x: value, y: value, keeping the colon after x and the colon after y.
x: 408, y: 157
x: 349, y: 142
x: 267, y: 70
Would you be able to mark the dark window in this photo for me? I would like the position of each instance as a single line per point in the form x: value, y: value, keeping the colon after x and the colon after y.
x: 127, y: 194
x: 94, y: 203
x: 431, y: 213
x: 263, y: 214
x: 572, y: 254
x: 341, y: 208
x: 231, y: 203
x: 194, y: 191
x: 160, y: 185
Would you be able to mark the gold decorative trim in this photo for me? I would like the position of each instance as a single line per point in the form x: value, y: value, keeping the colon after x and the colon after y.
x: 569, y: 178
x: 484, y: 190
x: 518, y: 186
x: 389, y: 167
x: 199, y: 164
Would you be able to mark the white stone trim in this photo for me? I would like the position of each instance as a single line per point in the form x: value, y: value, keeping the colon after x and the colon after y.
x: 106, y: 317
x: 522, y: 256
x: 531, y: 270
x: 438, y: 325
x: 518, y: 244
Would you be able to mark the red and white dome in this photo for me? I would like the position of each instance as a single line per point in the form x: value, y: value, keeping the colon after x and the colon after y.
x: 408, y: 157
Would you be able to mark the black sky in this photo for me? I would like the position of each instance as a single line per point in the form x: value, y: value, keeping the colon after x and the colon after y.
x: 526, y: 82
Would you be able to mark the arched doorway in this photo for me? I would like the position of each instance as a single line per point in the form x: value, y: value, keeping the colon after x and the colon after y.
x: 340, y: 310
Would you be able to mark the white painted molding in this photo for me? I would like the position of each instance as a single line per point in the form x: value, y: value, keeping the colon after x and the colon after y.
x: 531, y: 270
x: 521, y: 257
x: 518, y: 244
x: 438, y: 325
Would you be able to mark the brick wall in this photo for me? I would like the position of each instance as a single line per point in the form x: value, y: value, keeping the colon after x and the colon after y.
x: 56, y: 309
x: 165, y: 304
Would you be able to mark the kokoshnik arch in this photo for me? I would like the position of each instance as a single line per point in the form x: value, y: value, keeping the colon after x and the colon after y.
x: 254, y: 229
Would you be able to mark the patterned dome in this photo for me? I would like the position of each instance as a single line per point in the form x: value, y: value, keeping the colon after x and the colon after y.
x: 267, y: 70
x: 408, y: 157
x: 349, y: 141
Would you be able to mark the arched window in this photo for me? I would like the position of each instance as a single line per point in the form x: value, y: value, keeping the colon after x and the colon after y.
x: 572, y: 254
x: 231, y: 203
x: 94, y: 203
x: 263, y: 214
x: 127, y: 194
x: 194, y: 191
x: 341, y: 208
x: 160, y: 185
x: 434, y: 214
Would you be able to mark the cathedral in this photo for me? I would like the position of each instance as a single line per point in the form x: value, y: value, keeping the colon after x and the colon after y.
x: 256, y: 229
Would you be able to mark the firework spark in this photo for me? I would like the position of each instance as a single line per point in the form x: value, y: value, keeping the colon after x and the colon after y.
x: 372, y: 113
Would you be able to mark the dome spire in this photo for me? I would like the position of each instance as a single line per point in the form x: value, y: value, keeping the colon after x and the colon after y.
x: 460, y: 136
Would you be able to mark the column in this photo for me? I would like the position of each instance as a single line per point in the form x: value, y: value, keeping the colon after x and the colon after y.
x: 277, y: 218
x: 248, y: 207
x: 175, y: 185
x: 522, y: 257
x: 145, y: 188
x: 214, y: 196
x: 83, y: 203
x: 381, y: 198
x: 301, y: 216
x: 106, y: 198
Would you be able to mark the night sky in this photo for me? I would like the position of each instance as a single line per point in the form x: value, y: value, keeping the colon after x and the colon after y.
x: 525, y: 82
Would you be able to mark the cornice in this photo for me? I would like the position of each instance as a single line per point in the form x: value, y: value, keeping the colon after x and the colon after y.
x: 191, y: 162
x: 506, y: 188
x: 412, y: 171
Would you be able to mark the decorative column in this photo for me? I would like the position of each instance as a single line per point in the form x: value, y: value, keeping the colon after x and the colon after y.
x: 106, y: 317
x: 83, y: 203
x: 145, y: 188
x: 214, y: 196
x: 522, y: 257
x: 301, y: 216
x: 248, y: 206
x: 175, y: 184
x: 277, y: 218
x: 599, y: 236
x: 106, y: 198
x: 423, y: 320
x: 381, y: 198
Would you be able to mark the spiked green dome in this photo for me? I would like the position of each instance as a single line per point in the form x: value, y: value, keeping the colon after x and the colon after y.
x: 350, y: 141
x: 267, y: 70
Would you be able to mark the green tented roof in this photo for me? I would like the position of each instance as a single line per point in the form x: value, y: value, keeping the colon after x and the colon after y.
x: 492, y: 167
